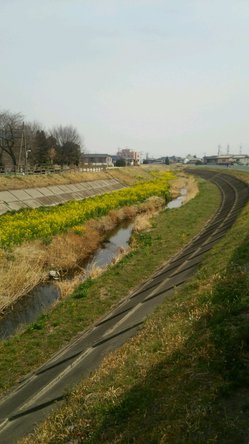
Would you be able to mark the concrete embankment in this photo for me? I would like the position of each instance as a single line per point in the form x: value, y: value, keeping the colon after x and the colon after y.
x: 54, y: 195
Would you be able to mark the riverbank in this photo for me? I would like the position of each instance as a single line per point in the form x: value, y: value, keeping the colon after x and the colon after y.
x: 62, y: 237
x: 184, y: 377
x: 127, y: 175
x: 76, y: 312
x: 62, y: 265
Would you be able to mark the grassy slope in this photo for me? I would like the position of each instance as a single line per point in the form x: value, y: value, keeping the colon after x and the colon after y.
x: 75, y: 313
x: 127, y: 175
x: 184, y: 378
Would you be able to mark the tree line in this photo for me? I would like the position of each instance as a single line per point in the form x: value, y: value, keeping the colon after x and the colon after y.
x: 28, y: 144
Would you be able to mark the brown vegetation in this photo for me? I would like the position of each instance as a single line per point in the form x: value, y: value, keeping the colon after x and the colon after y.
x: 186, y: 182
x: 19, y: 182
x: 20, y: 271
x: 28, y: 264
x: 126, y: 175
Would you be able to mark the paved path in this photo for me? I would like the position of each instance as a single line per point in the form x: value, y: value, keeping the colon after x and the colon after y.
x: 54, y: 194
x: 31, y: 401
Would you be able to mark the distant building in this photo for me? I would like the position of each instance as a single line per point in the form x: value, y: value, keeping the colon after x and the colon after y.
x: 97, y: 159
x: 114, y: 158
x: 226, y: 159
x: 153, y: 160
x: 172, y: 159
x: 218, y: 160
x: 242, y: 159
x: 131, y: 157
x: 192, y: 160
x: 176, y: 159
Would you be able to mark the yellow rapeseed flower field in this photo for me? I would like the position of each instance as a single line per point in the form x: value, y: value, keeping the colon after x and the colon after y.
x: 43, y: 223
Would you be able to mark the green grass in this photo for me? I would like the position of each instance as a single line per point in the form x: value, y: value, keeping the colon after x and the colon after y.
x: 22, y: 353
x: 185, y: 377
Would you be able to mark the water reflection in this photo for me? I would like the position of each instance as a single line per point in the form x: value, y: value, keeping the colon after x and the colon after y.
x: 28, y: 309
x: 111, y: 248
x: 177, y: 203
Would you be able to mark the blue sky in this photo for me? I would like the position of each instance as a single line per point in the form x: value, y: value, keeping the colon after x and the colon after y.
x: 163, y: 77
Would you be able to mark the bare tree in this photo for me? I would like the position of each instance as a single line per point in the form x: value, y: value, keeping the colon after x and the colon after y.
x: 31, y: 144
x: 65, y: 134
x: 11, y: 133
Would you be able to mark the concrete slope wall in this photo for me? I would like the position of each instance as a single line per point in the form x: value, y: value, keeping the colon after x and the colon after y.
x: 54, y: 195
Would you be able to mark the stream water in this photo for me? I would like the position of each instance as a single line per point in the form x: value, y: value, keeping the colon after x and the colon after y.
x: 111, y: 248
x: 176, y: 203
x: 30, y: 307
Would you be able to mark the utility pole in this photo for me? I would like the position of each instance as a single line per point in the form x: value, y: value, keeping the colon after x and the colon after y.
x: 22, y: 143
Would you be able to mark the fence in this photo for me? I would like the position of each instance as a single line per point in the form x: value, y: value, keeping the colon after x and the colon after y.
x: 49, y: 170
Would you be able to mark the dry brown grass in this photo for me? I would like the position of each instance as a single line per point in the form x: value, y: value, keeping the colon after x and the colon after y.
x: 19, y: 182
x: 19, y: 273
x: 28, y: 264
x: 127, y: 175
x: 93, y: 271
x: 122, y: 252
x: 192, y: 189
x: 152, y: 205
x: 131, y: 175
x: 68, y: 250
x: 184, y: 181
x: 67, y: 286
x: 142, y: 223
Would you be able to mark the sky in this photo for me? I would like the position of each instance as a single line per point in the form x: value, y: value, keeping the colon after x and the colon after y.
x: 163, y: 77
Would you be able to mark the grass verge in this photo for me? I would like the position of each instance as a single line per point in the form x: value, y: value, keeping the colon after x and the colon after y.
x: 185, y: 377
x: 171, y: 230
x: 126, y: 175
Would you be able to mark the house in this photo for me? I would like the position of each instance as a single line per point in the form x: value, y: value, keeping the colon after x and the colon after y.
x: 97, y: 159
x: 192, y: 160
x: 131, y: 157
x: 226, y: 159
x: 218, y: 160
